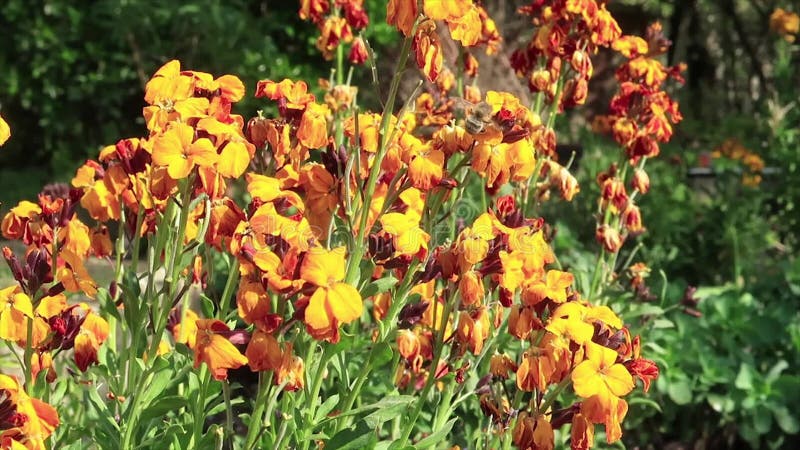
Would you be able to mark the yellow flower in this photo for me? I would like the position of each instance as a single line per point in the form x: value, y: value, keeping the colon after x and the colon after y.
x: 569, y: 320
x: 554, y: 287
x: 599, y: 374
x: 333, y: 302
x: 15, y: 311
x: 179, y: 152
x: 407, y: 237
x: 5, y: 131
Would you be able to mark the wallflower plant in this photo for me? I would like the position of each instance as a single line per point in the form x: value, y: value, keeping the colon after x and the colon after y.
x: 345, y: 298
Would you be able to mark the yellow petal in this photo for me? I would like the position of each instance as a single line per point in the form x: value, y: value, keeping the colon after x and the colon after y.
x: 345, y: 302
x: 619, y: 380
x: 180, y: 168
x: 317, y: 310
x: 586, y: 379
x: 203, y: 153
x: 234, y: 160
x: 5, y: 131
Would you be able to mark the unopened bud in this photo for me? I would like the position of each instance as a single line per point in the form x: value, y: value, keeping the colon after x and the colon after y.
x: 609, y: 238
x: 640, y: 181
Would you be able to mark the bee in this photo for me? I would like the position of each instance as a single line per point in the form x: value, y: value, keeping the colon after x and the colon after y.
x: 478, y: 117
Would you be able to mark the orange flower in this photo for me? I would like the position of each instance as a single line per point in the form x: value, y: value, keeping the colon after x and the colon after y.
x: 263, y: 352
x: 533, y: 433
x: 535, y: 372
x: 291, y: 370
x: 402, y: 14
x: 234, y: 151
x: 333, y: 32
x: 15, y: 311
x: 15, y: 222
x: 36, y: 420
x: 92, y: 334
x: 428, y: 50
x: 179, y: 152
x: 333, y: 302
x: 425, y: 164
x: 470, y: 287
x: 313, y: 129
x: 473, y: 242
x: 582, y: 434
x: 609, y: 411
x: 466, y: 29
x: 569, y: 320
x: 473, y: 329
x: 296, y: 94
x: 73, y: 274
x: 215, y: 350
x: 783, y: 22
x: 43, y: 361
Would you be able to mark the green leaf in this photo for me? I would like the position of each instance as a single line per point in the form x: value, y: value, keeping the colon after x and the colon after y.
x: 386, y: 402
x: 394, y: 446
x: 360, y: 437
x: 680, y: 392
x: 207, y: 306
x: 776, y: 371
x: 107, y: 304
x: 382, y: 354
x: 162, y: 406
x: 327, y: 406
x: 744, y: 380
x: 721, y: 403
x: 762, y: 419
x: 786, y: 420
x: 385, y: 414
x: 644, y: 310
x: 379, y: 286
x: 645, y: 401
x: 105, y: 418
x: 663, y: 323
x: 437, y: 436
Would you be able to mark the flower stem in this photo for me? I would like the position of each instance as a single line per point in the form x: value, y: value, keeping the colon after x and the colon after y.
x: 357, y: 252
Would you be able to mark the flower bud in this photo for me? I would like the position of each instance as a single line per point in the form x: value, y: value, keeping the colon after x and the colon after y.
x: 640, y: 181
x: 471, y: 289
x: 609, y: 238
x: 358, y: 52
x: 632, y: 218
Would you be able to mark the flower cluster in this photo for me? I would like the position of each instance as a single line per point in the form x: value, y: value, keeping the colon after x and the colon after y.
x: 35, y: 313
x: 734, y: 150
x: 337, y: 23
x: 25, y: 422
x: 568, y: 33
x: 468, y: 23
x: 347, y: 214
x: 641, y: 116
x: 785, y: 23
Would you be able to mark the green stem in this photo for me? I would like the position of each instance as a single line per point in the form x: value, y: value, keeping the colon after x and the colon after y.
x: 443, y: 409
x: 357, y: 252
x: 553, y: 395
x: 437, y: 354
x: 226, y: 392
x: 200, y: 406
x: 311, y: 409
x: 256, y: 419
